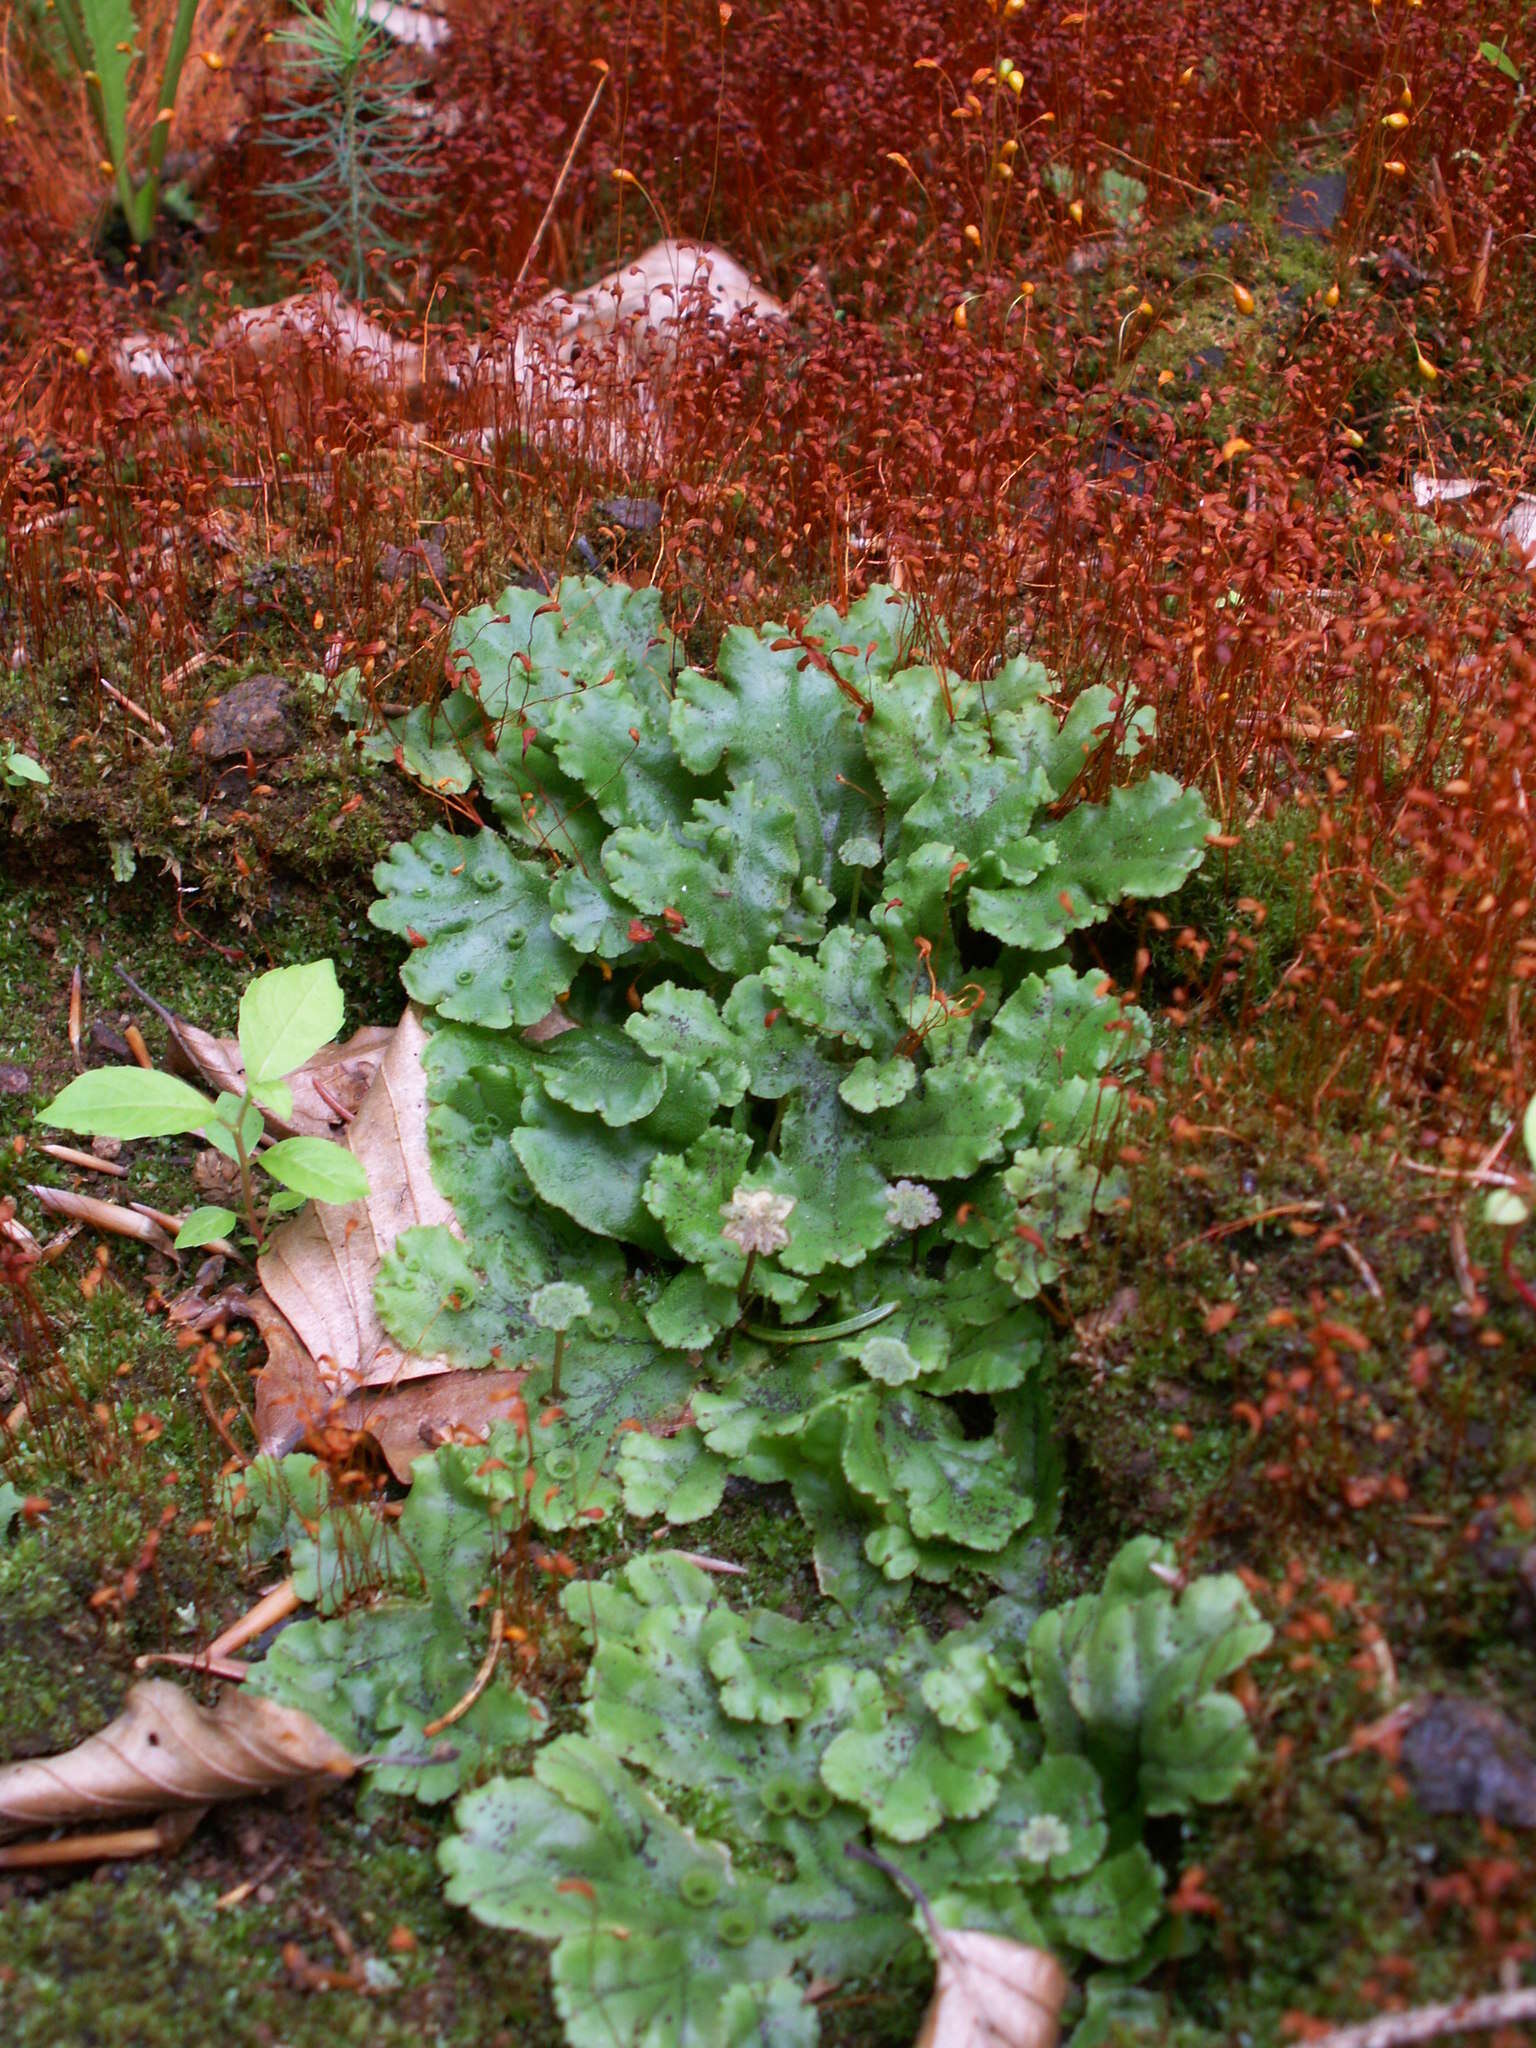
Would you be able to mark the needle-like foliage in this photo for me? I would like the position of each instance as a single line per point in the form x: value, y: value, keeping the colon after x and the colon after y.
x: 348, y: 142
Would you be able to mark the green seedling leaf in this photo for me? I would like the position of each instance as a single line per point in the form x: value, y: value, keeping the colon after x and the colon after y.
x: 1122, y: 198
x: 429, y: 743
x: 17, y: 768
x: 688, y: 1193
x: 691, y: 1310
x: 594, y: 1173
x: 525, y: 650
x: 316, y: 1169
x: 1046, y: 1198
x: 376, y: 1676
x: 614, y: 738
x: 769, y: 1668
x: 285, y: 1018
x: 426, y: 1289
x: 682, y: 1024
x: 912, y: 730
x: 1143, y: 842
x: 872, y: 1085
x: 592, y: 918
x: 980, y: 804
x: 113, y: 35
x: 1109, y: 1913
x: 908, y: 1771
x: 203, y: 1226
x: 953, y: 1122
x: 288, y: 1507
x: 234, y: 1113
x: 128, y: 1102
x: 823, y: 1166
x: 908, y: 1451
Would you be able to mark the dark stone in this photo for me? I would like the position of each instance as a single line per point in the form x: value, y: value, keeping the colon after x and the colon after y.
x: 1226, y: 236
x: 1120, y: 461
x: 14, y: 1080
x: 1205, y: 366
x: 251, y: 718
x: 402, y: 565
x: 1397, y: 272
x: 1464, y: 1756
x: 105, y: 1038
x: 635, y: 515
x: 1310, y: 204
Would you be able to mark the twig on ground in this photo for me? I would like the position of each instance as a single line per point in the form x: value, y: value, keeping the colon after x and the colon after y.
x: 712, y: 1564
x: 1357, y: 1258
x: 137, y: 711
x: 168, y: 1832
x: 109, y: 1216
x: 195, y: 1660
x: 477, y: 1684
x: 1462, y: 1266
x: 564, y: 172
x: 1428, y: 2022
x: 1474, y: 1176
x: 1236, y: 1224
x: 274, y: 1606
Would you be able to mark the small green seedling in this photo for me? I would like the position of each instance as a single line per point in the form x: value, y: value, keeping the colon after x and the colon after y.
x: 17, y: 769
x: 555, y: 1307
x: 285, y: 1019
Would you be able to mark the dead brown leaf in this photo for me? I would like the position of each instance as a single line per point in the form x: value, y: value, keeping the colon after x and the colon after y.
x: 406, y: 1422
x: 291, y: 1397
x: 318, y: 1271
x: 992, y: 1993
x: 453, y: 1407
x: 164, y: 1750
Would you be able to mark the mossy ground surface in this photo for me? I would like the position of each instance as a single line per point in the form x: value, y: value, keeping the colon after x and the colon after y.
x: 1383, y: 1531
x: 1383, y: 1534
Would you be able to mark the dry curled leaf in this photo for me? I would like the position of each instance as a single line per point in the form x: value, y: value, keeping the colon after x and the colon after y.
x: 993, y: 1993
x: 319, y: 1270
x: 291, y: 1397
x: 164, y: 1750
